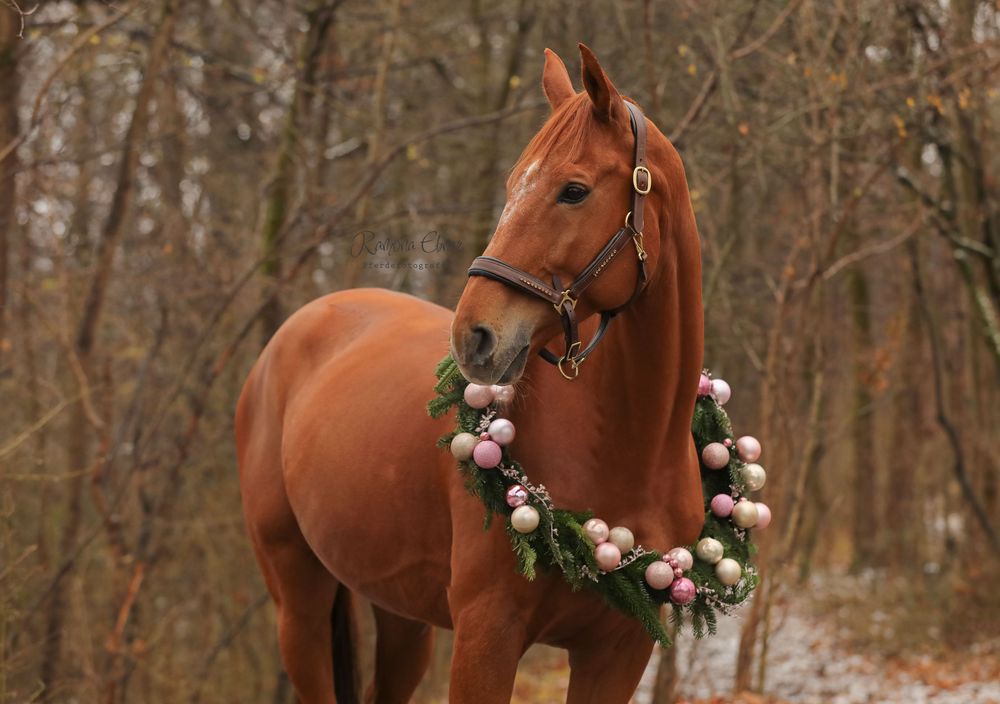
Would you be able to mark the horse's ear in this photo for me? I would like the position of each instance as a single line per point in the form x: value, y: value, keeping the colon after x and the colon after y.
x: 603, y: 94
x: 556, y: 84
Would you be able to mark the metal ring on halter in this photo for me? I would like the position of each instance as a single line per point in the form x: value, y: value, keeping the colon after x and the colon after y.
x: 570, y: 357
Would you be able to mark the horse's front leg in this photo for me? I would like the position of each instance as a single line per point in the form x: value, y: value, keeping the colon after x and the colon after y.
x: 607, y: 668
x: 489, y: 642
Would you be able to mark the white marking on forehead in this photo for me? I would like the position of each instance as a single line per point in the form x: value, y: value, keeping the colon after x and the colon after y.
x: 525, y: 185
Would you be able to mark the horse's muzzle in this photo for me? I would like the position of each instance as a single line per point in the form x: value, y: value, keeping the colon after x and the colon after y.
x: 485, y: 358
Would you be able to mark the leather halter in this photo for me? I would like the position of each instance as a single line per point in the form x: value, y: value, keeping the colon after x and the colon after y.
x: 564, y: 300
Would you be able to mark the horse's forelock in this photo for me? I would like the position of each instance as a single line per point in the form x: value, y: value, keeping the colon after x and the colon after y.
x: 566, y: 133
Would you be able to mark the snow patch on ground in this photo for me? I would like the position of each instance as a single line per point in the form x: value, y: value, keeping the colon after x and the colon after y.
x: 805, y: 666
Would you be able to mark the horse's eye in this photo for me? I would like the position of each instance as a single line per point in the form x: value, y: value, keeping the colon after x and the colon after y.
x: 572, y: 193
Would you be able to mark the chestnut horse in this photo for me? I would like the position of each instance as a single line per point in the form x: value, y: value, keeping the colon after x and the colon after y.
x: 344, y: 490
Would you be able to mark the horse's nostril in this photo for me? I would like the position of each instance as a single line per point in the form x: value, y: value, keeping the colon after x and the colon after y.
x: 482, y: 342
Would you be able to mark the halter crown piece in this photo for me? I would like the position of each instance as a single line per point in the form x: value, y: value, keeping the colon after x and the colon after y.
x: 564, y: 300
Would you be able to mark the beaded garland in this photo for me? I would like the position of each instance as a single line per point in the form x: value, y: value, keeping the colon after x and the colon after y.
x: 699, y: 581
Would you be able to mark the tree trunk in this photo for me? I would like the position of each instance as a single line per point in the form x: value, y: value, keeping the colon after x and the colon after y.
x: 375, y: 134
x: 9, y: 129
x: 864, y: 519
x: 320, y: 19
x: 77, y: 439
x: 452, y: 280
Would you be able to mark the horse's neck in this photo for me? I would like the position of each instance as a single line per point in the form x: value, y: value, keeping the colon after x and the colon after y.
x: 617, y: 439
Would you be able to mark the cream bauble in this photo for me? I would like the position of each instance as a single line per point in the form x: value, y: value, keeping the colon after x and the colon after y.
x: 754, y: 476
x: 596, y: 530
x: 709, y: 549
x: 744, y: 514
x: 462, y: 446
x: 728, y: 571
x: 524, y: 519
x: 622, y: 538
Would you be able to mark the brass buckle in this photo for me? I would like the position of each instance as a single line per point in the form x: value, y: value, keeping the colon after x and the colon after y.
x: 566, y: 298
x: 570, y: 357
x: 635, y: 180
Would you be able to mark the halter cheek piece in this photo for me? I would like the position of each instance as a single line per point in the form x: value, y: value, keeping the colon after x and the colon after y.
x: 564, y: 300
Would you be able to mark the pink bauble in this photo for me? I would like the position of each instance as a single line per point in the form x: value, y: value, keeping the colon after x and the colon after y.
x: 748, y: 448
x: 682, y: 591
x: 608, y: 556
x: 728, y: 442
x: 704, y: 385
x: 721, y: 391
x: 517, y: 495
x: 685, y: 560
x: 478, y: 396
x: 678, y: 572
x: 763, y: 516
x: 501, y: 431
x: 659, y: 575
x: 503, y: 394
x: 715, y: 455
x: 597, y: 530
x: 487, y: 454
x: 722, y: 505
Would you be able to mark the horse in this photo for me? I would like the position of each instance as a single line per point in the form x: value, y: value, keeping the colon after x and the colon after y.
x: 344, y: 491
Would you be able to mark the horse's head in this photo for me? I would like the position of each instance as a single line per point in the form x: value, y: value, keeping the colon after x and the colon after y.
x: 567, y: 195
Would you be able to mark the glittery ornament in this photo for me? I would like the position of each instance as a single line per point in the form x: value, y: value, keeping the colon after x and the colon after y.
x: 728, y: 571
x: 704, y: 385
x: 709, y: 549
x: 722, y: 505
x: 524, y: 519
x: 501, y: 431
x: 754, y: 476
x: 517, y: 495
x: 487, y: 454
x: 478, y: 396
x: 685, y: 560
x: 721, y: 391
x: 659, y: 575
x: 462, y: 446
x: 503, y: 394
x: 763, y: 516
x: 622, y: 538
x: 748, y: 448
x: 596, y: 530
x: 745, y: 514
x: 682, y: 591
x: 608, y: 556
x: 715, y: 455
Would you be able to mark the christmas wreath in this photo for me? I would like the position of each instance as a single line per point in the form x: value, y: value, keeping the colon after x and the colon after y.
x: 699, y: 581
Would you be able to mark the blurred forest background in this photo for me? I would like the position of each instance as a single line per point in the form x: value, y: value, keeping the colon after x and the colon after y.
x: 177, y: 176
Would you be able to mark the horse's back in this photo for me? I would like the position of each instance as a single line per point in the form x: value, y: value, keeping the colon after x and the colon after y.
x: 336, y: 406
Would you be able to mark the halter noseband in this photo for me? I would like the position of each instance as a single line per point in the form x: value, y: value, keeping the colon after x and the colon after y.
x: 565, y: 300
